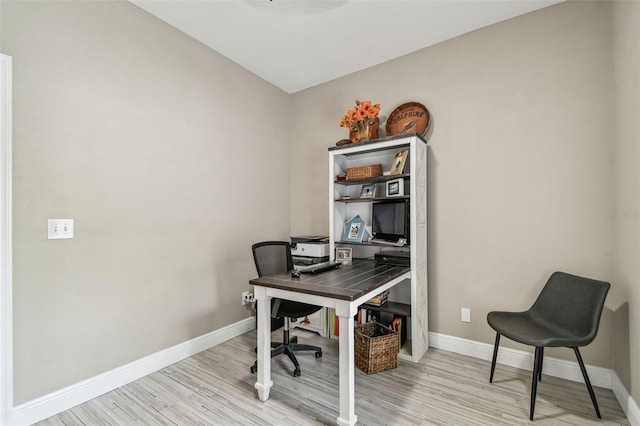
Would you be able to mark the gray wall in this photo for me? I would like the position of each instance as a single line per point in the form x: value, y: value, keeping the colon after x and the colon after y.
x: 520, y: 160
x: 165, y: 153
x: 626, y: 208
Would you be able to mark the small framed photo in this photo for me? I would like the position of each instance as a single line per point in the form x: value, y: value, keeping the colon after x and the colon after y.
x: 395, y: 187
x: 397, y: 166
x: 354, y: 230
x: 343, y: 254
x: 368, y: 191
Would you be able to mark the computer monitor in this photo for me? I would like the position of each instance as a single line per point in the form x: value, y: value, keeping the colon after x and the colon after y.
x: 390, y: 220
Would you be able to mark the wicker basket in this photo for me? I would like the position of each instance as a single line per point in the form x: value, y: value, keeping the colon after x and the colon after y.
x: 372, y: 170
x: 376, y: 347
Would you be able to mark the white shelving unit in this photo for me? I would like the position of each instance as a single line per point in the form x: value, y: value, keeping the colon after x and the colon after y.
x: 411, y: 295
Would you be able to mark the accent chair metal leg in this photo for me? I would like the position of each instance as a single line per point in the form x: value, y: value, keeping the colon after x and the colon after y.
x: 534, y: 381
x: 495, y: 357
x: 541, y: 359
x: 587, y: 382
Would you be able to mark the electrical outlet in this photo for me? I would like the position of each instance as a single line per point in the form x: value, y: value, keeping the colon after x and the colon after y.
x: 247, y: 297
x: 465, y: 315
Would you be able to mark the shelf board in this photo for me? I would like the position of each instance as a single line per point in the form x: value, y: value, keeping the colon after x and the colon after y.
x: 368, y: 200
x: 377, y: 179
x: 406, y: 351
x: 365, y: 243
x: 370, y: 145
x: 403, y: 309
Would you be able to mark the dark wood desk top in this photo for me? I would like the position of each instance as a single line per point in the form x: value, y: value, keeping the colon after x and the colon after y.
x: 348, y: 282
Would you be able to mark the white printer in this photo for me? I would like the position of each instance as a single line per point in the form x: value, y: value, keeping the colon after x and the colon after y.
x: 307, y: 250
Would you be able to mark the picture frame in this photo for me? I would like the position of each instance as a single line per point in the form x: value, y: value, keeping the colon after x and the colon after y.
x: 354, y: 230
x: 395, y: 187
x: 368, y: 191
x: 397, y: 165
x: 343, y: 254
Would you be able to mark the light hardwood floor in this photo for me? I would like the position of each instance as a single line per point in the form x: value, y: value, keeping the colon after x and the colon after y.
x: 215, y: 387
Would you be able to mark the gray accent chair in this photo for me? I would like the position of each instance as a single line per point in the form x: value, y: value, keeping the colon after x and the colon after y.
x: 565, y: 314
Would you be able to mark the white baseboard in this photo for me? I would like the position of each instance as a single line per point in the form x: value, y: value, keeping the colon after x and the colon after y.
x: 627, y: 403
x: 520, y: 359
x: 63, y: 399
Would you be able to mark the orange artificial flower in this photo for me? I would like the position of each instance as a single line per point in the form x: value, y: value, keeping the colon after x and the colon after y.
x: 360, y: 112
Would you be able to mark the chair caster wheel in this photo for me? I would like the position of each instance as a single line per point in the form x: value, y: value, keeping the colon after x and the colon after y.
x: 254, y: 368
x: 296, y: 372
x: 318, y: 354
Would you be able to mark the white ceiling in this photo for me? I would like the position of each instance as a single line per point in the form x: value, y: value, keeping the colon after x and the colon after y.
x: 296, y: 44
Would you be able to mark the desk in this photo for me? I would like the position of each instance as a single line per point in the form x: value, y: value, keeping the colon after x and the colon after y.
x: 342, y: 289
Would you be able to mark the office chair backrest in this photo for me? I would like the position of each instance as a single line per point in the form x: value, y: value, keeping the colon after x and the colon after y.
x: 572, y: 303
x: 272, y: 257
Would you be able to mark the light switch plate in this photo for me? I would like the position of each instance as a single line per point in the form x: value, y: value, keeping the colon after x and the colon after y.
x: 58, y: 229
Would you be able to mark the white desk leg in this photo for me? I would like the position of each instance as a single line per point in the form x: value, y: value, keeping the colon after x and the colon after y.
x: 264, y: 383
x: 347, y: 369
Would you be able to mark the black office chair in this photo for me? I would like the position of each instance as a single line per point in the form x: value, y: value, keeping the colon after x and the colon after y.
x: 565, y: 314
x: 273, y: 257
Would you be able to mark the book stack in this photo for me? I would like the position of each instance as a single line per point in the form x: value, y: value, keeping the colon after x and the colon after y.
x: 397, y: 326
x: 379, y: 300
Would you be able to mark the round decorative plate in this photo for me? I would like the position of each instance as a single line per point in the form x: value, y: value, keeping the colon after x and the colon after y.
x: 408, y: 118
